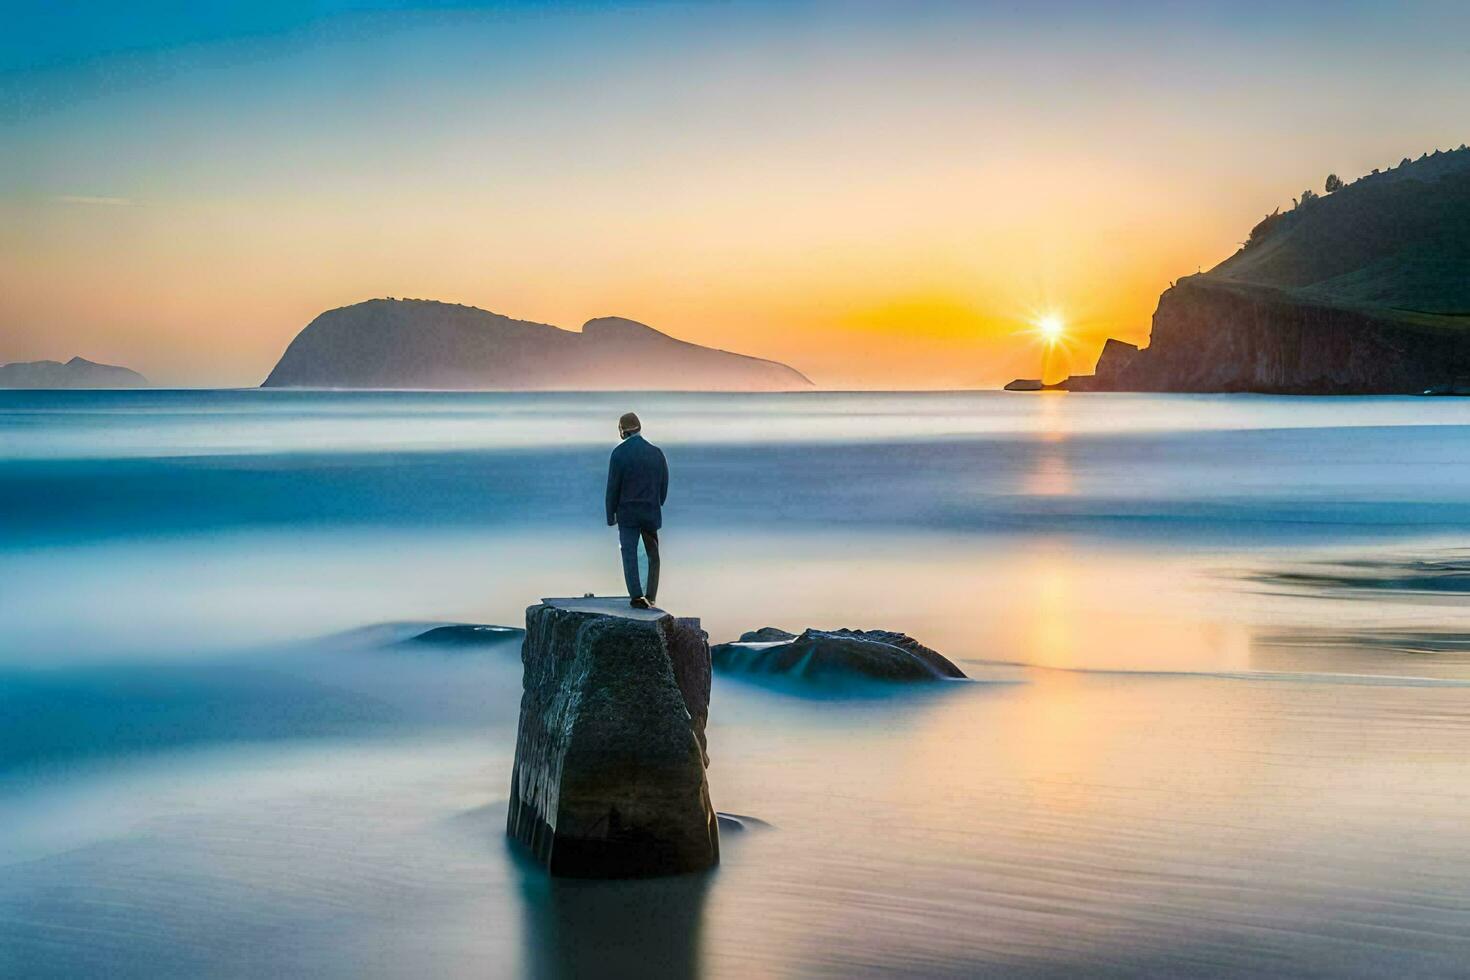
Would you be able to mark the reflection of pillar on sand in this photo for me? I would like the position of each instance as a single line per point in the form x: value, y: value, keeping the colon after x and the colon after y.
x: 579, y: 928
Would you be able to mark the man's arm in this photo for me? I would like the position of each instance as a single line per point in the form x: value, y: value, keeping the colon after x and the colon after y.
x: 614, y: 489
x: 663, y: 479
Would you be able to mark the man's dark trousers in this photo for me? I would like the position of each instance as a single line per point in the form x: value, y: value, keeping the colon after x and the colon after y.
x: 628, y: 536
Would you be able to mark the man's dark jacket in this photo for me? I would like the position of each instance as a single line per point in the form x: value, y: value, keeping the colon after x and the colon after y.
x: 637, y: 484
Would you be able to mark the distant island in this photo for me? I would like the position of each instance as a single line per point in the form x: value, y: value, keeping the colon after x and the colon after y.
x: 75, y: 373
x: 1363, y: 289
x: 414, y: 343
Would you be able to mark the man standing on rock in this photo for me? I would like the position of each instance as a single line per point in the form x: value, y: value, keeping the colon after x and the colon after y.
x: 637, y: 486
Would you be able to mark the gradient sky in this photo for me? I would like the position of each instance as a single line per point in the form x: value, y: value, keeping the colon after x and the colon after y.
x: 882, y: 195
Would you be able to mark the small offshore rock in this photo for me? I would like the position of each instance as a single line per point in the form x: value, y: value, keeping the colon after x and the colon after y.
x: 459, y: 636
x: 881, y: 655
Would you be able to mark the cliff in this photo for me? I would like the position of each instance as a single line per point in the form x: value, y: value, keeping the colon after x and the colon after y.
x: 1217, y: 336
x: 1365, y: 290
x: 386, y: 343
x: 609, y: 775
x: 75, y: 373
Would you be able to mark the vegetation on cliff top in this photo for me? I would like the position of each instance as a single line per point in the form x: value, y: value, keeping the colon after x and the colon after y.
x: 1396, y: 242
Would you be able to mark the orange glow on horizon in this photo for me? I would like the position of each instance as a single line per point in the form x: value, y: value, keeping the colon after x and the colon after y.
x: 878, y: 210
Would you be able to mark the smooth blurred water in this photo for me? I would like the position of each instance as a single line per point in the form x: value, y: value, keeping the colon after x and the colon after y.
x: 1221, y: 649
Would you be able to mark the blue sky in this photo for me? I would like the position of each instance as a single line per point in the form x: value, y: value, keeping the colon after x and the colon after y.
x: 878, y: 193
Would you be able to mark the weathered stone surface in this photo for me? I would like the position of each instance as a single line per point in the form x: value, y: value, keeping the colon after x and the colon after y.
x: 609, y: 778
x: 835, y: 654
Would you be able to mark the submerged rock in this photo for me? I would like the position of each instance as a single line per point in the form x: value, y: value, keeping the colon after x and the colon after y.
x: 462, y: 636
x: 609, y: 778
x: 738, y: 823
x: 766, y: 634
x: 1460, y: 386
x: 833, y: 654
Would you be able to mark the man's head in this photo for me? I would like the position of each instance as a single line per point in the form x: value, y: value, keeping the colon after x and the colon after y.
x: 629, y: 425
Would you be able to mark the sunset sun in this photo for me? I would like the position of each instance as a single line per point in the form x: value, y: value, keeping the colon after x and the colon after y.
x: 1051, y: 328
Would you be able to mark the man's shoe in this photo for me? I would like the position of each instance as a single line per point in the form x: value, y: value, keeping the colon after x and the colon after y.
x: 640, y: 603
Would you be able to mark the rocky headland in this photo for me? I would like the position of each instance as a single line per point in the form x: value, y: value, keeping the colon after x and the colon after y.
x: 1363, y: 289
x: 410, y: 343
x: 75, y: 373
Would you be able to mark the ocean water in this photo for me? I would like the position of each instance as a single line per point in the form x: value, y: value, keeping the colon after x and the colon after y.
x: 1220, y: 695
